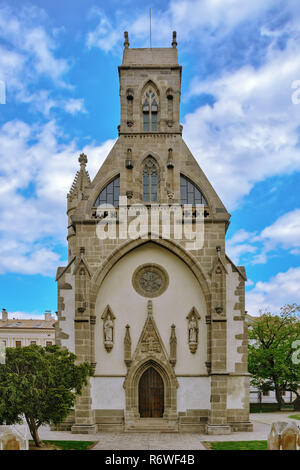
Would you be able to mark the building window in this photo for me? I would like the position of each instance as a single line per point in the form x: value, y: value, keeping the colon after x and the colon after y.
x: 110, y: 194
x: 150, y: 180
x: 32, y: 342
x: 18, y: 344
x: 189, y: 193
x: 266, y: 393
x: 150, y: 110
x: 48, y: 343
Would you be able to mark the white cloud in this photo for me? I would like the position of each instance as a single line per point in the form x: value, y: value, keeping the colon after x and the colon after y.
x: 190, y: 15
x: 20, y: 29
x: 280, y: 290
x: 36, y: 174
x: 105, y: 36
x: 74, y: 106
x: 251, y: 131
x: 42, y: 101
x: 214, y: 18
x: 28, y: 54
x: 284, y: 233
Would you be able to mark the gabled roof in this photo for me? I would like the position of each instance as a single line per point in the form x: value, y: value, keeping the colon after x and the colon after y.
x: 28, y: 324
x: 62, y: 270
x: 240, y: 269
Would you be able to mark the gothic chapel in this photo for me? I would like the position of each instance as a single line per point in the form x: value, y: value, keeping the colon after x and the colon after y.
x: 163, y: 326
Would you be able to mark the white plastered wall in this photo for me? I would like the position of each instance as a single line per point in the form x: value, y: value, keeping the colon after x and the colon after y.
x: 183, y: 293
x: 107, y: 393
x: 193, y: 393
x: 236, y: 392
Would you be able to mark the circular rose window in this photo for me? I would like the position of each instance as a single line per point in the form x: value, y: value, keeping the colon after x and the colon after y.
x: 150, y: 280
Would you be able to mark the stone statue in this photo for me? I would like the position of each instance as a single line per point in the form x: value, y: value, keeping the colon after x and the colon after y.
x: 193, y: 330
x: 108, y: 330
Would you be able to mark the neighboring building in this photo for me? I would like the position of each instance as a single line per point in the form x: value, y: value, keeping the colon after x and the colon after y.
x: 16, y: 332
x: 163, y: 324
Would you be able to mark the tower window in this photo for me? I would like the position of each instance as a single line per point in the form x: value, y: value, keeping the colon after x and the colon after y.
x: 150, y: 181
x: 110, y: 193
x: 189, y: 193
x: 150, y: 110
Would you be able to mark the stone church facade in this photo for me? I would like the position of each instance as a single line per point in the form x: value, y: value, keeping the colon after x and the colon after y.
x: 162, y: 325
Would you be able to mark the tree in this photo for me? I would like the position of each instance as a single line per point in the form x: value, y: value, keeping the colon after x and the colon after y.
x: 271, y: 352
x: 40, y: 384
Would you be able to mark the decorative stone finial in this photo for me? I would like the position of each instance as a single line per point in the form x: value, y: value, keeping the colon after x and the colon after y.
x: 149, y: 307
x: 173, y: 346
x: 82, y: 159
x: 174, y: 42
x: 126, y: 42
x: 218, y: 248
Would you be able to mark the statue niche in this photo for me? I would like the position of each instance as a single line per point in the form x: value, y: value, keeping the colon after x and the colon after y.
x: 108, y: 328
x: 193, y: 329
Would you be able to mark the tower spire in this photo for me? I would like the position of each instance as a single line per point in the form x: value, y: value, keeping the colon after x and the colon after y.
x: 82, y: 179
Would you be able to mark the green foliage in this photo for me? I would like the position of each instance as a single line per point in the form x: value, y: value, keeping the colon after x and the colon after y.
x: 270, y: 351
x: 69, y: 445
x: 294, y: 417
x: 41, y: 384
x: 264, y: 407
x: 237, y: 445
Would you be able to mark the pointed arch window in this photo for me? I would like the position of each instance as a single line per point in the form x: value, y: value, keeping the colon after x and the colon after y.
x: 150, y: 181
x: 189, y: 193
x: 150, y: 110
x: 110, y: 193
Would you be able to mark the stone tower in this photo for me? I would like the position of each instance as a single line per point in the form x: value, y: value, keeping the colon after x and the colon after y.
x: 162, y: 324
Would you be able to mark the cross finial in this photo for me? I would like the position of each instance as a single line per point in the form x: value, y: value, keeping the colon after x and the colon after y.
x: 126, y: 42
x: 174, y: 42
x: 82, y: 160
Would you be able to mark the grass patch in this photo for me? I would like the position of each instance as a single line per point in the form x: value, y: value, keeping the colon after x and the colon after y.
x: 63, y: 445
x: 236, y: 445
x: 294, y: 417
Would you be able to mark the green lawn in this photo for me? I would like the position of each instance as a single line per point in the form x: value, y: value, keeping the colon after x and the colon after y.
x: 237, y: 445
x: 67, y: 445
x: 294, y: 416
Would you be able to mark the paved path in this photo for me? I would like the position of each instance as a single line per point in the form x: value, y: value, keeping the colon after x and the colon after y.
x: 169, y: 441
x: 269, y: 418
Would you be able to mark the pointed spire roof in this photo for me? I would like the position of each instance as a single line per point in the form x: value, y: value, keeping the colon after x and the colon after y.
x: 82, y: 179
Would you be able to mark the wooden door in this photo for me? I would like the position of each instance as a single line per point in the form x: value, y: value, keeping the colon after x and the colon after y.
x: 151, y: 394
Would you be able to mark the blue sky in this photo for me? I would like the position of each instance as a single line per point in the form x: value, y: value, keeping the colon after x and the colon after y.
x: 58, y: 60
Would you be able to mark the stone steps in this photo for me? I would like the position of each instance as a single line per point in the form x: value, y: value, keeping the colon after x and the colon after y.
x: 153, y: 425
